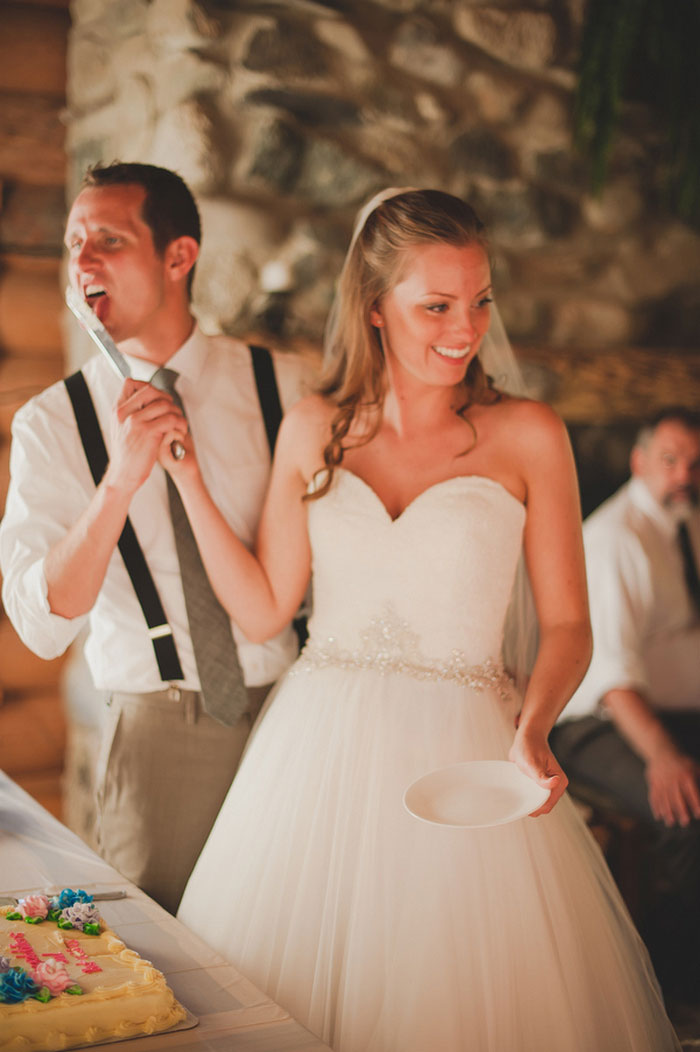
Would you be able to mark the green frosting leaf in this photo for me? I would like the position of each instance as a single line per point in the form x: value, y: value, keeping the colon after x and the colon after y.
x: 42, y: 995
x: 73, y: 990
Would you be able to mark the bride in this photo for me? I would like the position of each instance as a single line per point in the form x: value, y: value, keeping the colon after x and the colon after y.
x: 409, y: 487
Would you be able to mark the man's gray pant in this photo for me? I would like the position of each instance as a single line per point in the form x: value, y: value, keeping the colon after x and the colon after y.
x: 592, y: 752
x: 163, y: 771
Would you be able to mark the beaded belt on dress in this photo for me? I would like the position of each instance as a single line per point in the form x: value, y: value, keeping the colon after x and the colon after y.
x: 389, y: 647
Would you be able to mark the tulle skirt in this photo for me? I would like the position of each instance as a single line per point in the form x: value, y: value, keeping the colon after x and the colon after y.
x: 381, y: 933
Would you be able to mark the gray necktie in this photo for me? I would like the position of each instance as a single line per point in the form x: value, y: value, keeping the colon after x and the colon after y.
x: 690, y: 570
x: 224, y: 695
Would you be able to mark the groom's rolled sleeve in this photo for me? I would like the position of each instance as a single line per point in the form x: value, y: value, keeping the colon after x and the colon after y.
x: 46, y: 496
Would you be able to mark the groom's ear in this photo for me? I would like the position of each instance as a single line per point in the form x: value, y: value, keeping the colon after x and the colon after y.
x: 180, y: 256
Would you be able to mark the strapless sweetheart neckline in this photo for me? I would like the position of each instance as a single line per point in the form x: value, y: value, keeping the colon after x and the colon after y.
x: 445, y: 483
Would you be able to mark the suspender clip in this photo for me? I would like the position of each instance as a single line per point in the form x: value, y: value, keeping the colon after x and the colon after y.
x: 158, y: 631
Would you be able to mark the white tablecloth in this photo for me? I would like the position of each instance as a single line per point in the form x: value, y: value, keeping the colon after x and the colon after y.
x: 38, y: 853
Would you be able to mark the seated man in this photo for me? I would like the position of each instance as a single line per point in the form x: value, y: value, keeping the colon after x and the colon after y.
x: 632, y: 729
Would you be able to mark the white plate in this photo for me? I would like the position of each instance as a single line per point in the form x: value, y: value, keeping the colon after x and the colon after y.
x: 470, y: 795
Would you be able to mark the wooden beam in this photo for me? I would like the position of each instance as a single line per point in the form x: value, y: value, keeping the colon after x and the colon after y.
x: 31, y: 139
x: 603, y: 386
x: 20, y: 379
x: 31, y: 307
x: 21, y: 669
x: 32, y: 220
x: 65, y: 4
x: 33, y: 42
x: 588, y: 386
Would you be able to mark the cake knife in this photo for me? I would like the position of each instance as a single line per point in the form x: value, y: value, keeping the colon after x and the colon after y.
x: 99, y: 335
x: 98, y: 896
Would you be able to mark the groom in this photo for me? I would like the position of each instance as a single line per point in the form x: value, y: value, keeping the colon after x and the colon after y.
x: 166, y: 762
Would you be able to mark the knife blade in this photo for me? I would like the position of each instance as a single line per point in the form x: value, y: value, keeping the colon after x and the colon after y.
x: 97, y: 332
x: 99, y: 335
x: 98, y: 896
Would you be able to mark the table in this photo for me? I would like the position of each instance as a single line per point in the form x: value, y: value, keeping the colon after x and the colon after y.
x: 38, y: 853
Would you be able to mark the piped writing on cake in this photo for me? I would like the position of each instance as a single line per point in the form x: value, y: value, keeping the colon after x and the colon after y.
x: 44, y: 979
x: 86, y: 965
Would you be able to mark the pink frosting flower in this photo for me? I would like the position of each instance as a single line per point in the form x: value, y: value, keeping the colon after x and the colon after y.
x: 33, y: 906
x: 53, y: 975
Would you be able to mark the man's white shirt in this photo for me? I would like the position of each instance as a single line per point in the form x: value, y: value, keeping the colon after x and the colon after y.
x: 646, y: 633
x: 51, y: 484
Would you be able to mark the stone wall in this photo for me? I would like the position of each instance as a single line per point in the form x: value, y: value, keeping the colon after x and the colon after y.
x: 283, y: 117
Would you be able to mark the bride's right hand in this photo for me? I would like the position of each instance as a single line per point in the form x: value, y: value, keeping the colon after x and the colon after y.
x: 532, y: 754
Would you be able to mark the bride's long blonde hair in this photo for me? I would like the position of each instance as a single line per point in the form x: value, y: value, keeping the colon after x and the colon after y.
x: 354, y: 373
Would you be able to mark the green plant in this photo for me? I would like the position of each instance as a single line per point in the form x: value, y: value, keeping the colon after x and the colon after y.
x: 644, y: 51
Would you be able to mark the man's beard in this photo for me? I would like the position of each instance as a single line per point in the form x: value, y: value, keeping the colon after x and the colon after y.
x: 682, y: 501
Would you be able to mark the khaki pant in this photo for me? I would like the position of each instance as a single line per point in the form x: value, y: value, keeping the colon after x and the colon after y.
x: 164, y: 769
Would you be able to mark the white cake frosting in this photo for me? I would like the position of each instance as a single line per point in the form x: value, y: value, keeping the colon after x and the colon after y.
x: 44, y: 965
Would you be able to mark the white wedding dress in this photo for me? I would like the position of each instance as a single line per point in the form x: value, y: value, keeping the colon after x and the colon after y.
x: 379, y: 932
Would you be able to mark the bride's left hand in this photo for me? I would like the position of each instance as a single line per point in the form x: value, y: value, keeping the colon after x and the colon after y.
x: 532, y: 754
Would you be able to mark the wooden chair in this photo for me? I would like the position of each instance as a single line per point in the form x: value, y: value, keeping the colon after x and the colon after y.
x: 622, y: 839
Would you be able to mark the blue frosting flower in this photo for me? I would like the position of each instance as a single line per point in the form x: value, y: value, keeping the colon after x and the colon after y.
x: 68, y: 897
x: 16, y: 985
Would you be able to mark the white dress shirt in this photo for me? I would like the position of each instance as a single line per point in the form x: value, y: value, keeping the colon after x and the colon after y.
x: 646, y: 632
x: 51, y: 484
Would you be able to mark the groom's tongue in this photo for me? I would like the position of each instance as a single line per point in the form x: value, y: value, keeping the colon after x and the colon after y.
x: 98, y: 300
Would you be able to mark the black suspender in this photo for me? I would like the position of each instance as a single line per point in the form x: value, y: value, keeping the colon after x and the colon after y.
x: 136, y: 566
x: 268, y: 395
